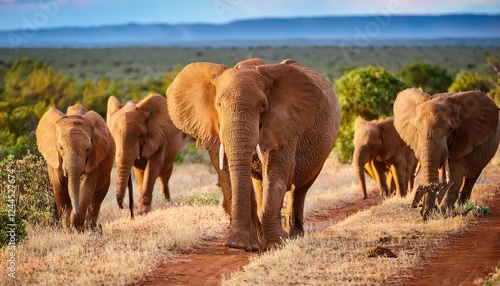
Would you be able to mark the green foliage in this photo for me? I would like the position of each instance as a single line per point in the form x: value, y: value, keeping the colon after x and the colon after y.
x: 26, y: 190
x: 95, y: 94
x: 192, y: 153
x: 470, y: 206
x: 470, y: 81
x: 30, y: 89
x: 203, y: 199
x: 368, y: 92
x: 15, y: 146
x: 489, y: 84
x: 431, y: 78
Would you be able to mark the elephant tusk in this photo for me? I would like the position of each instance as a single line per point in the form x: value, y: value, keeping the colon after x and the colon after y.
x: 447, y: 166
x: 259, y: 153
x: 221, y: 156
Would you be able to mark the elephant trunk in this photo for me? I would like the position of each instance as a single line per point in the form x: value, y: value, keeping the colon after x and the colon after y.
x: 123, y: 169
x: 78, y: 214
x: 359, y: 167
x: 74, y: 189
x: 240, y: 140
x: 430, y: 173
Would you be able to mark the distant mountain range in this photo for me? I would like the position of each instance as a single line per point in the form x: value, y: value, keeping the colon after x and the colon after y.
x: 349, y: 30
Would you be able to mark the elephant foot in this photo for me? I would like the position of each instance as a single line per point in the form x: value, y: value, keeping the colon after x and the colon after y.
x: 144, y: 209
x: 295, y: 232
x: 269, y: 243
x: 242, y: 239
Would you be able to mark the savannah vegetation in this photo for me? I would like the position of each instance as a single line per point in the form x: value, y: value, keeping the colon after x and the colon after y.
x: 367, y: 81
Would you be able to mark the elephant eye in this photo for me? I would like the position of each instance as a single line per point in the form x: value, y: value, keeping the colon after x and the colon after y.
x: 60, y: 147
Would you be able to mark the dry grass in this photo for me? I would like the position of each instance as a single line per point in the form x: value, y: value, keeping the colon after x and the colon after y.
x: 126, y: 250
x: 339, y: 254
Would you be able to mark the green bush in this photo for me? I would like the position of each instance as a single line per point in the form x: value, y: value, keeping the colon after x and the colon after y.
x: 25, y: 186
x: 470, y: 81
x: 368, y: 92
x: 17, y: 147
x: 431, y: 78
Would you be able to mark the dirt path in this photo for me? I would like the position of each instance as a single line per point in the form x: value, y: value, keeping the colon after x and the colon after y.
x: 210, y: 261
x: 469, y: 258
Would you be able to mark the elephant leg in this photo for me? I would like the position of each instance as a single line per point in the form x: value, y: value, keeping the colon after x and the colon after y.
x: 277, y: 172
x: 451, y: 196
x: 95, y: 206
x: 400, y: 179
x: 61, y: 196
x: 147, y: 186
x: 381, y: 177
x: 294, y: 221
x: 391, y: 184
x: 164, y: 178
x: 467, y: 188
x: 224, y: 180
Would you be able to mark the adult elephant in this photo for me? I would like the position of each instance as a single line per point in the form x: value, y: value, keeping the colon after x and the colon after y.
x: 147, y: 140
x: 461, y: 128
x: 378, y: 143
x: 79, y: 151
x: 268, y: 128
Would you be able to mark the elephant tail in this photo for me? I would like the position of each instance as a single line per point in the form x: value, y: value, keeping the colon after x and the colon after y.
x: 130, y: 197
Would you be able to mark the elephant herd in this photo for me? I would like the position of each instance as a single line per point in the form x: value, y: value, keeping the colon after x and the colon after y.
x: 268, y: 129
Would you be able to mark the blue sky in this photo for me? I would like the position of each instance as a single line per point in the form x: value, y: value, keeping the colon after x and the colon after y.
x: 21, y: 14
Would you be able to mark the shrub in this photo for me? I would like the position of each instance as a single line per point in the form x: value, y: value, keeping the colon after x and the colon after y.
x: 368, y: 92
x: 470, y: 81
x: 431, y: 78
x: 25, y: 186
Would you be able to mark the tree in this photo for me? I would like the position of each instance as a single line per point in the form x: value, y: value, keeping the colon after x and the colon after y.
x: 368, y: 92
x: 431, y: 78
x: 29, y: 89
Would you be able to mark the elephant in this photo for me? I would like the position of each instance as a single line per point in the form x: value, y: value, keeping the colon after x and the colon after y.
x: 147, y: 140
x: 268, y: 129
x: 377, y: 142
x: 79, y: 151
x: 457, y: 130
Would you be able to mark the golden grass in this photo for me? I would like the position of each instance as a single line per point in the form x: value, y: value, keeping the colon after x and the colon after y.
x: 126, y: 250
x: 338, y: 255
x: 123, y: 251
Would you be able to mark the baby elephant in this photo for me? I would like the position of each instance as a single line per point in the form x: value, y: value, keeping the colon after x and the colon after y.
x: 377, y: 142
x: 147, y: 140
x: 80, y: 152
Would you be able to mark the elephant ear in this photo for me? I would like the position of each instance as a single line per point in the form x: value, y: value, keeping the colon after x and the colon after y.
x: 293, y: 105
x: 101, y: 140
x: 191, y: 102
x: 249, y: 64
x: 46, y: 136
x: 113, y: 105
x: 478, y: 121
x: 405, y: 112
x: 159, y: 126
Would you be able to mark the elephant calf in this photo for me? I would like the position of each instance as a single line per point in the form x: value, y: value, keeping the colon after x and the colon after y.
x: 79, y: 151
x: 377, y: 142
x: 147, y: 140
